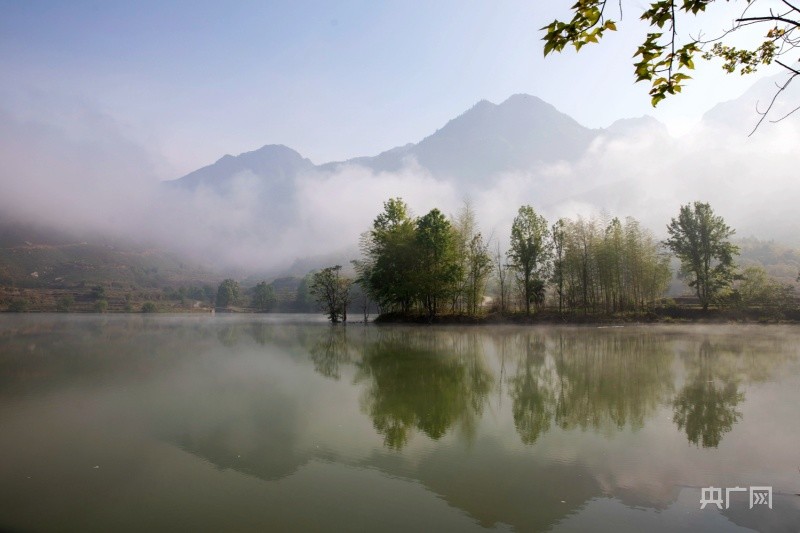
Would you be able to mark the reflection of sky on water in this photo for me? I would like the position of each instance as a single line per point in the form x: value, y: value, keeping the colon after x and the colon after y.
x: 520, y: 427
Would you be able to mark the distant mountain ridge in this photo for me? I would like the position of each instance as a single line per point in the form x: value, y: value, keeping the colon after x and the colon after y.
x: 276, y: 161
x: 487, y: 139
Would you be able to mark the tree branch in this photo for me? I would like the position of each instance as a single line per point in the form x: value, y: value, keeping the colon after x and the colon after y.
x: 794, y: 8
x: 781, y: 88
x: 773, y: 18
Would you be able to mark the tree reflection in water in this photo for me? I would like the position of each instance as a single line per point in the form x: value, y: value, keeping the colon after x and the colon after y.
x: 431, y: 380
x: 705, y: 408
x: 601, y: 381
x: 426, y: 382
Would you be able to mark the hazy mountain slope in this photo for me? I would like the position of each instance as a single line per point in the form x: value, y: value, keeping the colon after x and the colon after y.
x: 34, y: 256
x: 742, y: 114
x: 277, y: 163
x: 488, y: 139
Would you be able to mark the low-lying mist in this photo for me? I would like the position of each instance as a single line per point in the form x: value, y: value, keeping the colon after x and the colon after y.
x: 93, y: 181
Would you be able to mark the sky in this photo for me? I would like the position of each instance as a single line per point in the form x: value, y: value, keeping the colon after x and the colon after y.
x: 187, y: 82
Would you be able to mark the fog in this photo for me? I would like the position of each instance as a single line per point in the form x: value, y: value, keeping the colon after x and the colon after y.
x: 88, y: 177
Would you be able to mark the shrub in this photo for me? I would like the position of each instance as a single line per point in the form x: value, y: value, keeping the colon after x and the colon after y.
x: 149, y: 307
x: 64, y: 303
x: 18, y: 305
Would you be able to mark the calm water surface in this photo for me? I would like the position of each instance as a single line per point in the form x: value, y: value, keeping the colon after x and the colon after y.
x: 130, y: 423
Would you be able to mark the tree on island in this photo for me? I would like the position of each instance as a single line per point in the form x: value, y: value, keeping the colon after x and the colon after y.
x: 332, y: 292
x: 665, y: 56
x: 699, y: 238
x: 389, y: 250
x: 228, y: 293
x: 438, y: 268
x: 530, y: 253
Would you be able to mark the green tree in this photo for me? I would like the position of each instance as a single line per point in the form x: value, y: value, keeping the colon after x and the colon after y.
x: 390, y: 257
x: 332, y: 292
x: 264, y: 297
x: 474, y: 261
x: 666, y: 55
x: 559, y: 237
x: 756, y: 288
x: 438, y: 261
x: 699, y: 238
x: 479, y: 267
x: 227, y: 293
x: 530, y: 252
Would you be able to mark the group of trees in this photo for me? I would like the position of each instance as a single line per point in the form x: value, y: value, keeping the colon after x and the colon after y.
x: 588, y: 265
x: 262, y: 296
x: 431, y: 264
x: 425, y: 264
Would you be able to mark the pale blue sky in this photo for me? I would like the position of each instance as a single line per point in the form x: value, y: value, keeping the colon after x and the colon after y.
x: 191, y: 81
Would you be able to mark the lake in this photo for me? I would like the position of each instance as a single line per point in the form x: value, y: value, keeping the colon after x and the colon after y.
x: 285, y: 423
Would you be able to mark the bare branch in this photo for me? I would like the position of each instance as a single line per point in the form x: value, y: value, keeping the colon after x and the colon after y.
x: 771, y: 18
x: 790, y: 113
x: 781, y: 88
x: 794, y: 8
x: 787, y: 67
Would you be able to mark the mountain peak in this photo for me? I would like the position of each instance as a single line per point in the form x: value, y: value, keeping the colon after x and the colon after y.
x: 273, y: 162
x: 524, y: 99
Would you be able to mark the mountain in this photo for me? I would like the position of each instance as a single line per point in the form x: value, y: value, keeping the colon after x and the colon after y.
x: 487, y: 139
x: 274, y: 161
x: 742, y: 114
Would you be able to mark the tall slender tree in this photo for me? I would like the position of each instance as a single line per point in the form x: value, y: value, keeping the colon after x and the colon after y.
x: 438, y: 266
x: 699, y: 238
x: 530, y: 253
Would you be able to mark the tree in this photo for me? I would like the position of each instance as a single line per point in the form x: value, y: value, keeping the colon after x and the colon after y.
x: 665, y: 55
x: 479, y: 266
x: 474, y: 261
x: 756, y: 288
x: 332, y: 292
x: 227, y: 293
x: 530, y: 252
x: 389, y: 250
x: 263, y: 297
x: 501, y: 267
x: 559, y: 236
x: 438, y: 266
x: 699, y: 238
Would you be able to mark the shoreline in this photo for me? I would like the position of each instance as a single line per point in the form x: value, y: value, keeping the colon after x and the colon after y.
x: 660, y: 316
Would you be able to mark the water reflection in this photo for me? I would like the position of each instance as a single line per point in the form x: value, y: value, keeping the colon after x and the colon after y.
x: 551, y: 419
x: 423, y: 382
x: 430, y: 381
x: 705, y: 408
